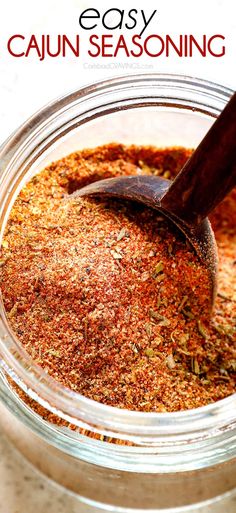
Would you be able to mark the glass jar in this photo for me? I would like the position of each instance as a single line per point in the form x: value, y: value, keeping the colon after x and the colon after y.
x: 172, y: 460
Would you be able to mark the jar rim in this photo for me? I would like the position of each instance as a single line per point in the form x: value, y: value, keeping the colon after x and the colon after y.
x: 70, y: 405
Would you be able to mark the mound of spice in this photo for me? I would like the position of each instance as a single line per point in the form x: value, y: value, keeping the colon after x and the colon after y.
x: 109, y: 298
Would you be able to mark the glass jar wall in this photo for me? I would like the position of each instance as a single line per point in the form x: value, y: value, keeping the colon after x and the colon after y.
x: 172, y: 460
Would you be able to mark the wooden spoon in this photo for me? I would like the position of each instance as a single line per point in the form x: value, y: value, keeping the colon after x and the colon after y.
x: 207, y: 177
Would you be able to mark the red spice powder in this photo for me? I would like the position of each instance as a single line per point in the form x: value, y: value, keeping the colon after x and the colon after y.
x: 109, y: 298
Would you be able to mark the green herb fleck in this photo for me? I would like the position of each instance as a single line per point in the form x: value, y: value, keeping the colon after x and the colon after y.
x: 163, y: 321
x: 187, y: 313
x: 194, y: 365
x: 158, y: 269
x: 202, y: 330
x: 121, y: 234
x: 149, y: 352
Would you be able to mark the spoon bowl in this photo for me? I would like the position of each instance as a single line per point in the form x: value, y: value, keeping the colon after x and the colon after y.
x: 150, y: 190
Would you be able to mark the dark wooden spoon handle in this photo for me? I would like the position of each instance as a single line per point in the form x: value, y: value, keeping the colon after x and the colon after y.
x: 209, y: 174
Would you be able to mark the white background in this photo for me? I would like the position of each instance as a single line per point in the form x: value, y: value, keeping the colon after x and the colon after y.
x: 27, y: 84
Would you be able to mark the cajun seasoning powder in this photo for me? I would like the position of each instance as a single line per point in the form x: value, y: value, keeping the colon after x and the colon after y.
x: 109, y: 298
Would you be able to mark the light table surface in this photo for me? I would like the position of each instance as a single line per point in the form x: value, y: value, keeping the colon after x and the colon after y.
x: 24, y: 490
